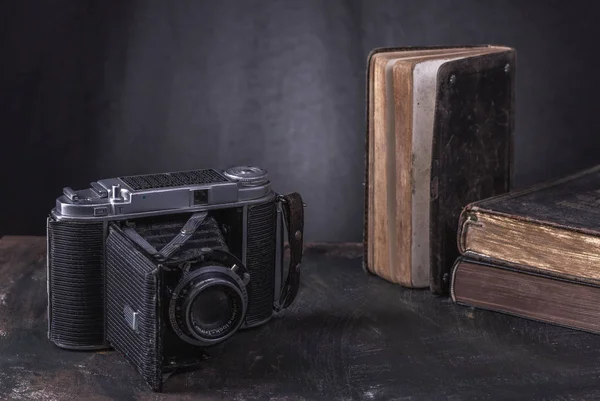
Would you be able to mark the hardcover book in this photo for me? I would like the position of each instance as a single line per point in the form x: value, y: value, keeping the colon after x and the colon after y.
x: 552, y: 228
x: 439, y: 135
x: 516, y: 291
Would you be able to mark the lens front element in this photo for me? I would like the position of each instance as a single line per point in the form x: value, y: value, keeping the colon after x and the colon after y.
x: 212, y: 307
x: 213, y: 310
x: 208, y: 305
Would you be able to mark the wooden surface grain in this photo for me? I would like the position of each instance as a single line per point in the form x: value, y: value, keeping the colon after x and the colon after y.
x: 349, y: 336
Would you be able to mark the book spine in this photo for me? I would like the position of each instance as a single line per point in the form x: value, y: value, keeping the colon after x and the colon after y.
x: 462, y: 229
x: 455, y: 267
x: 368, y: 154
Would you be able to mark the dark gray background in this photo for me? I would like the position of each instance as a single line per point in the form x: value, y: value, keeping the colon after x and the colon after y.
x: 96, y: 89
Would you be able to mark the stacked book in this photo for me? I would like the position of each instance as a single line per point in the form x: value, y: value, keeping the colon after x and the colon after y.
x: 534, y: 253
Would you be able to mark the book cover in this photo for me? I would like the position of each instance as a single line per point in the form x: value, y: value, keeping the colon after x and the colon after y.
x: 553, y: 228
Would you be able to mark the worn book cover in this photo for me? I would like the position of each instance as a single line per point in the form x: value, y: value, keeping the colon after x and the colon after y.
x: 552, y: 228
x: 489, y: 285
x: 439, y: 135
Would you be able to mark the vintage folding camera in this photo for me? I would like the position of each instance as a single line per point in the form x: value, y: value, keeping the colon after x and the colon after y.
x: 161, y: 266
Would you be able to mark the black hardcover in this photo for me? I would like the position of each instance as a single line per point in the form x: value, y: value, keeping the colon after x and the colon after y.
x: 472, y: 148
x: 571, y: 202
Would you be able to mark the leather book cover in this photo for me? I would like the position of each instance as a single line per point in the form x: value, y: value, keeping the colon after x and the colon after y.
x: 552, y: 228
x: 493, y: 286
x: 472, y: 145
x: 455, y: 149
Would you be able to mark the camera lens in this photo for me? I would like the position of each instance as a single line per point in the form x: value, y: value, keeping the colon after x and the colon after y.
x: 208, y: 305
x: 213, y: 310
x: 212, y: 307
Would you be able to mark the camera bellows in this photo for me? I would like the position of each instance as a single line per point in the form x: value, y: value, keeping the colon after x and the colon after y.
x: 76, y: 284
x: 158, y: 232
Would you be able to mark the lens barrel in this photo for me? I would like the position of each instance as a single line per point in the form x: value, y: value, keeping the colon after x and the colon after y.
x: 213, y: 309
x: 209, y: 304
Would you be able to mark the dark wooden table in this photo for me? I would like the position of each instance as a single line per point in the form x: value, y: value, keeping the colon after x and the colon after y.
x: 349, y: 336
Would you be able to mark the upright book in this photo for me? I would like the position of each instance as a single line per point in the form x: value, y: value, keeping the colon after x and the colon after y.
x: 439, y: 135
x: 551, y: 229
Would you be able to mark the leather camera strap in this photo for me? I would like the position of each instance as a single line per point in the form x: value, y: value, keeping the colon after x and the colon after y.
x: 293, y: 213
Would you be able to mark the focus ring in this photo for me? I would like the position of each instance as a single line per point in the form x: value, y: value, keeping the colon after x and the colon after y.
x: 233, y: 318
x: 188, y: 289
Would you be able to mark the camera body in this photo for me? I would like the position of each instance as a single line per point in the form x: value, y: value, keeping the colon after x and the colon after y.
x: 160, y: 266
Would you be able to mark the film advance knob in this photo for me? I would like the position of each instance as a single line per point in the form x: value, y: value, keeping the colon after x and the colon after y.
x: 247, y: 175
